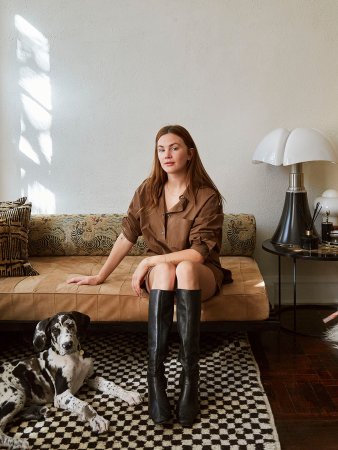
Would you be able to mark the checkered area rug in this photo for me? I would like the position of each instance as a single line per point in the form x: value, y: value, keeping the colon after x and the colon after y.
x: 235, y: 413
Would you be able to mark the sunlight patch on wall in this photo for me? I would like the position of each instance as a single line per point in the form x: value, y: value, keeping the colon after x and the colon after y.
x: 42, y: 198
x: 26, y: 148
x: 37, y: 116
x: 46, y: 145
x: 35, y: 142
x: 37, y: 86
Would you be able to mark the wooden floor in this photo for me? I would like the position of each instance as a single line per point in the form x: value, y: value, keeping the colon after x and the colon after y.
x: 300, y: 376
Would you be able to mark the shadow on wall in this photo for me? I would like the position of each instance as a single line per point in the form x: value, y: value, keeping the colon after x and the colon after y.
x: 35, y: 148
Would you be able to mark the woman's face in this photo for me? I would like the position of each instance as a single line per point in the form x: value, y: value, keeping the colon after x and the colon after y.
x: 173, y: 154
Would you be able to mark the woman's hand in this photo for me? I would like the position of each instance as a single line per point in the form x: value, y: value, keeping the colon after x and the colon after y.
x: 139, y: 276
x: 92, y: 280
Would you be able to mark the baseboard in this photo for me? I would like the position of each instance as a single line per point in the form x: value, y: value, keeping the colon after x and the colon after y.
x: 308, y: 291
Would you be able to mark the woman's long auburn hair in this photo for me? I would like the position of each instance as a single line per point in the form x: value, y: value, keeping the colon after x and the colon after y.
x: 197, y: 176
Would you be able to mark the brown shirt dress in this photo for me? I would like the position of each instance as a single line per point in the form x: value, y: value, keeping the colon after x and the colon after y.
x: 192, y: 223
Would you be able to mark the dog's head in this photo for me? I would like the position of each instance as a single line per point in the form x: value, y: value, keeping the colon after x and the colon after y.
x: 61, y: 332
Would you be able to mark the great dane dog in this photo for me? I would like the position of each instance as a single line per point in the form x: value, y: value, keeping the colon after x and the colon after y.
x: 55, y: 374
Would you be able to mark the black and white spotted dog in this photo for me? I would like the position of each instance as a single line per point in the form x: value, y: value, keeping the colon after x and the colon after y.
x: 54, y: 375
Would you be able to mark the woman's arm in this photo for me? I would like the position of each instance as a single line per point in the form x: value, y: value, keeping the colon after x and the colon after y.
x: 118, y: 252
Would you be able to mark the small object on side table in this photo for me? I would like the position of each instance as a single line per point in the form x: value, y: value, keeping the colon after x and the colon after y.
x: 309, y: 241
x: 334, y: 237
x: 327, y: 227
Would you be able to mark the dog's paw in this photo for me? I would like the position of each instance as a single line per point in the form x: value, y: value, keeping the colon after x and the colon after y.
x: 132, y: 397
x: 35, y: 412
x: 99, y: 424
x: 46, y: 412
x: 20, y: 444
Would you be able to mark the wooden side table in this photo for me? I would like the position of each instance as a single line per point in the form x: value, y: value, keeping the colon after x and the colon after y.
x: 323, y: 253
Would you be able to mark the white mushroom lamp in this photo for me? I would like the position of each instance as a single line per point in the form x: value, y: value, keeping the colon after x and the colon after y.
x: 329, y: 202
x: 292, y: 148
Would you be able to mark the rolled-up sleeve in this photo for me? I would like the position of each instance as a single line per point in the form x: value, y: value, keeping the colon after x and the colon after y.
x: 206, y: 233
x: 131, y: 222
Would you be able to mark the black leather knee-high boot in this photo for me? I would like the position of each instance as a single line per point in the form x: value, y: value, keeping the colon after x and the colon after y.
x: 188, y: 309
x: 160, y: 319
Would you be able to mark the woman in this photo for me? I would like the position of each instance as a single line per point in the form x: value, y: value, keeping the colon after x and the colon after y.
x: 178, y: 210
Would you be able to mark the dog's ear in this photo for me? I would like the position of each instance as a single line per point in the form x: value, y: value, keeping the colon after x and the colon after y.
x: 82, y: 321
x: 40, y: 336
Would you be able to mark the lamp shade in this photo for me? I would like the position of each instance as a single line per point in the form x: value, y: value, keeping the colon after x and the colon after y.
x: 271, y: 148
x: 282, y: 147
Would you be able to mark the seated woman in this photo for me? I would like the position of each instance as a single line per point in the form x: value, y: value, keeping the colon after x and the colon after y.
x: 178, y: 210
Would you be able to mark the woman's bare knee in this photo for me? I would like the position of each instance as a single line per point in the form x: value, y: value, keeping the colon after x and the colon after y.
x: 192, y: 275
x: 187, y: 273
x: 162, y: 276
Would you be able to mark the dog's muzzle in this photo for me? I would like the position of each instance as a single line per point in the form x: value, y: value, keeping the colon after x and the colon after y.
x: 68, y: 346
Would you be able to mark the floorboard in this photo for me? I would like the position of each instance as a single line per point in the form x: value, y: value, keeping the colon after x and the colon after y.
x: 300, y: 376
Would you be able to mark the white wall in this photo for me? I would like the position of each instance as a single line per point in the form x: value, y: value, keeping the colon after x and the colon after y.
x: 86, y: 84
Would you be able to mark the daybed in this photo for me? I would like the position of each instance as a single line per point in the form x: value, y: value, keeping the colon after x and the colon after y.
x: 61, y: 246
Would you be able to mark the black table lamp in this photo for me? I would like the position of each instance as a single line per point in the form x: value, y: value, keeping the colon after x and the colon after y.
x: 292, y: 148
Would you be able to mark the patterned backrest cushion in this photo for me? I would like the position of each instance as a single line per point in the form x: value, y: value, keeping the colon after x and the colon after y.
x: 95, y: 234
x: 14, y: 222
x: 239, y: 235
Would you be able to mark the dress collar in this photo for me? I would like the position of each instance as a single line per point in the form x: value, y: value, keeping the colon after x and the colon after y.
x: 179, y: 206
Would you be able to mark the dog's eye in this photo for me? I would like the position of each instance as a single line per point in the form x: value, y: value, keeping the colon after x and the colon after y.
x: 55, y: 331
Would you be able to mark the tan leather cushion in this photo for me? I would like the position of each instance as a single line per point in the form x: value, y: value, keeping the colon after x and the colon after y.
x: 35, y: 298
